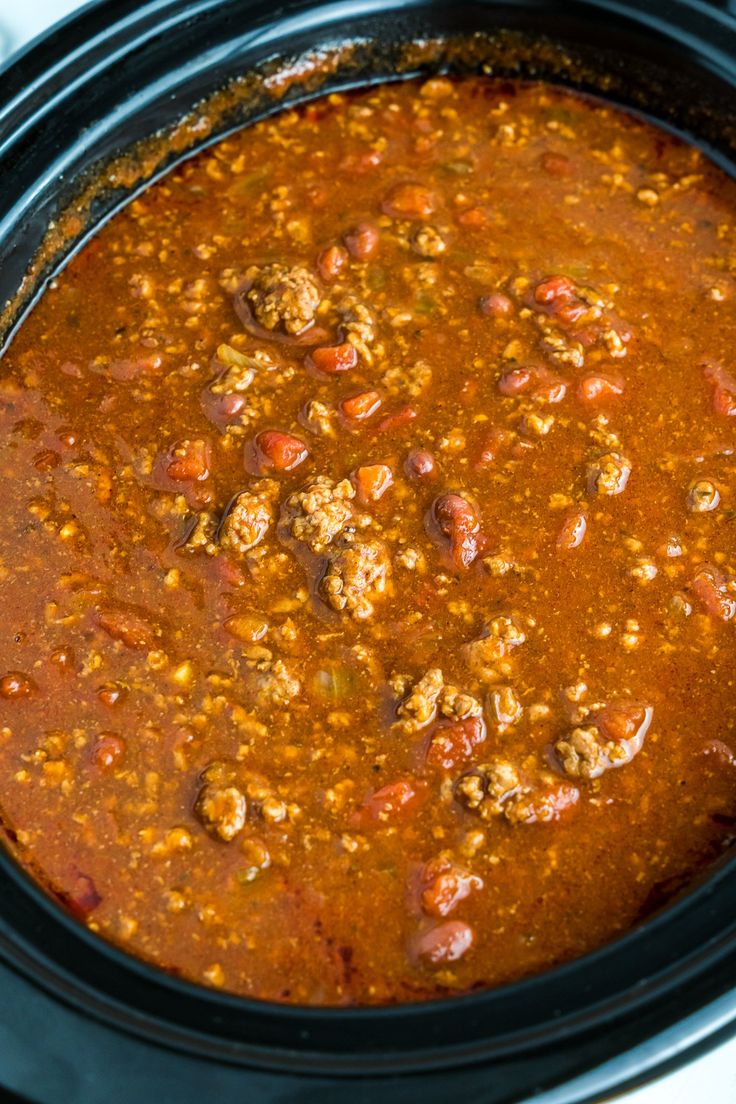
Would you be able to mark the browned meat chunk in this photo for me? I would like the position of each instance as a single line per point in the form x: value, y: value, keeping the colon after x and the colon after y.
x: 487, y: 656
x: 221, y: 810
x: 427, y: 241
x: 358, y: 324
x: 239, y: 373
x: 322, y: 511
x: 497, y: 789
x: 487, y: 788
x: 420, y: 706
x: 277, y: 685
x: 248, y: 519
x: 581, y: 754
x: 282, y: 298
x: 319, y: 418
x: 356, y: 575
x: 609, y: 474
x: 203, y: 533
x: 613, y: 740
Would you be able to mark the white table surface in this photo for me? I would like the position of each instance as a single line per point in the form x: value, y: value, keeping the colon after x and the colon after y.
x: 709, y: 1080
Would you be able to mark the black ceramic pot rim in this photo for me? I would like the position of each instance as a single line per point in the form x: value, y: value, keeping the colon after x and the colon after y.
x: 672, y: 967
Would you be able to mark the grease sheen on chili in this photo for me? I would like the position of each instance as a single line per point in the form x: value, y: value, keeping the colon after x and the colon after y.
x: 368, y: 550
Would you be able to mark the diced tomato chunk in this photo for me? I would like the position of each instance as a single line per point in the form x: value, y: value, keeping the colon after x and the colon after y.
x: 592, y: 388
x: 397, y: 420
x: 279, y: 451
x: 372, y: 481
x: 473, y: 218
x: 361, y: 406
x: 393, y: 801
x: 454, y: 741
x: 445, y: 943
x: 410, y: 201
x: 626, y: 722
x: 332, y: 359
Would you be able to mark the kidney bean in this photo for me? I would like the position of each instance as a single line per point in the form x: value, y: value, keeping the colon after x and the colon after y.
x: 496, y: 305
x: 444, y: 943
x: 709, y: 588
x: 458, y: 524
x: 554, y: 289
x: 15, y: 685
x: 410, y: 201
x: 82, y: 898
x: 721, y: 751
x: 724, y: 389
x: 331, y: 262
x: 108, y: 750
x: 444, y: 886
x: 515, y: 382
x: 110, y: 693
x: 362, y: 240
x: 573, y: 531
x: 494, y: 441
x: 419, y: 464
x: 62, y: 659
x: 592, y: 388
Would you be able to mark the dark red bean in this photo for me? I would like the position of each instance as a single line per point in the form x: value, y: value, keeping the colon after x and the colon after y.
x: 419, y: 464
x: 496, y: 305
x: 15, y: 685
x: 108, y: 750
x: 362, y: 240
x: 458, y: 524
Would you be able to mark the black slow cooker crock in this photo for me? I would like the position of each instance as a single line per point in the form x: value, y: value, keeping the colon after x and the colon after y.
x: 81, y: 1022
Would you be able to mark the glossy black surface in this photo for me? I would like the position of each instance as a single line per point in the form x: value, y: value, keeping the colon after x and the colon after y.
x: 79, y: 1020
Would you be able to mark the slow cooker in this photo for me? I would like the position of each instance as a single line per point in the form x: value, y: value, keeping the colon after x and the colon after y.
x: 80, y: 1021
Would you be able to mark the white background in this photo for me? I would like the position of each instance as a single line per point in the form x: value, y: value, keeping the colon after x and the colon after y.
x: 710, y: 1080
